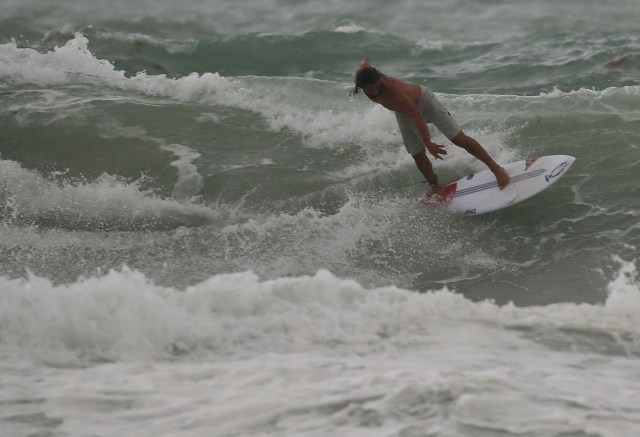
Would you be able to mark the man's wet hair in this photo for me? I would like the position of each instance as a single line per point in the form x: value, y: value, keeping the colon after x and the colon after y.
x: 365, y: 77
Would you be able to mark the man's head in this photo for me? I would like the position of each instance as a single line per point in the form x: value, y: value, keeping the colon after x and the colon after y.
x: 367, y: 80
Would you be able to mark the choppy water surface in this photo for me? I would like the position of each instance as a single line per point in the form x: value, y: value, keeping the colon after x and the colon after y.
x: 202, y: 233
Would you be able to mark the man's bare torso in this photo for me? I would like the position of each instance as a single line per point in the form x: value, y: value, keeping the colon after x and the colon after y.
x: 390, y: 87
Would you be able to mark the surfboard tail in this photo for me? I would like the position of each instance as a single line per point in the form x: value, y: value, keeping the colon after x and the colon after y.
x: 443, y: 198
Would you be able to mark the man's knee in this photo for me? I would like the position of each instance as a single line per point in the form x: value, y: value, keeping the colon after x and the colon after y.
x: 460, y: 138
x: 420, y: 156
x: 463, y: 140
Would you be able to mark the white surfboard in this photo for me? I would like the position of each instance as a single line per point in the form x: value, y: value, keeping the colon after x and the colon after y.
x: 478, y: 193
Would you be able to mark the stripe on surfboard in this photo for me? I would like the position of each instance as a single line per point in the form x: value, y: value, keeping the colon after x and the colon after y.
x: 493, y: 184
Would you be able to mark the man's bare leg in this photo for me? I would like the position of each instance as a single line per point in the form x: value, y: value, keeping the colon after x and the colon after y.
x: 425, y: 167
x: 473, y: 147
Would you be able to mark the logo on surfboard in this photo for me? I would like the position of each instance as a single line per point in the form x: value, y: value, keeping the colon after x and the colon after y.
x: 556, y: 171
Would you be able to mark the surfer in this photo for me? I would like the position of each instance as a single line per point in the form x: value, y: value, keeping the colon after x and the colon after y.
x: 414, y: 106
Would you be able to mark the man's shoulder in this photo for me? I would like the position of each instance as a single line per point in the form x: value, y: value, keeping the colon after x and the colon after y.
x: 399, y: 84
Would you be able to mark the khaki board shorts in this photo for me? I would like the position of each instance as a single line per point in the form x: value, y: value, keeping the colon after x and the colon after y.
x: 433, y: 112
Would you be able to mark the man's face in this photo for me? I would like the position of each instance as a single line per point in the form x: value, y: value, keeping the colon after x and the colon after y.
x: 372, y: 89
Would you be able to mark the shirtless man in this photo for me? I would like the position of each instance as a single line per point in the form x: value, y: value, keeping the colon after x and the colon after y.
x: 414, y: 106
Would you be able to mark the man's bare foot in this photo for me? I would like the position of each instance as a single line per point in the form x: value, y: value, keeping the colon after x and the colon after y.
x: 502, y: 177
x: 438, y: 190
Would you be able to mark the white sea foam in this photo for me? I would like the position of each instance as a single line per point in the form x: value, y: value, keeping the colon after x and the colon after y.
x: 189, y: 181
x: 432, y: 44
x: 171, y: 46
x: 349, y: 28
x: 125, y: 316
x: 324, y: 353
x: 106, y: 203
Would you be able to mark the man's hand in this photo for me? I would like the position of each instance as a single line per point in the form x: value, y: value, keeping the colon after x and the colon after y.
x: 366, y: 62
x: 436, y: 149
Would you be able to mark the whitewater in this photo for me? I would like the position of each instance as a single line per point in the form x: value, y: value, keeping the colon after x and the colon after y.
x: 119, y: 355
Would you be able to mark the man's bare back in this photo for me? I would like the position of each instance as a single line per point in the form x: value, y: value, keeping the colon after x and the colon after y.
x: 390, y: 87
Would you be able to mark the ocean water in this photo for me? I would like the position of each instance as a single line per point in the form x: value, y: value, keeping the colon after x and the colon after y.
x: 203, y: 234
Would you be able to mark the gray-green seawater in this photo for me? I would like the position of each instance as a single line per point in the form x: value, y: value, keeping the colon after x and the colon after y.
x: 180, y: 142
